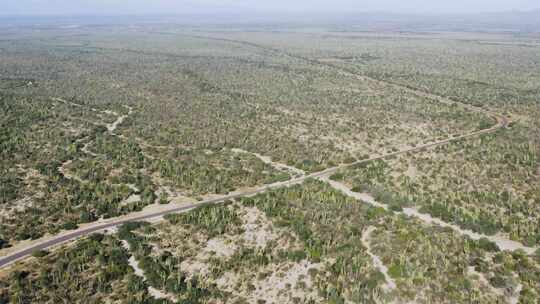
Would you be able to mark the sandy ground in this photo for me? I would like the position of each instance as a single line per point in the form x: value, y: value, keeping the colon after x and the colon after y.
x: 258, y: 230
x: 156, y: 293
x: 86, y: 150
x: 514, y: 298
x: 287, y: 281
x: 366, y: 236
x: 148, y: 210
x: 113, y: 126
x: 64, y: 171
x: 504, y: 243
x: 484, y: 281
x: 501, y: 241
x: 268, y: 160
x: 284, y: 281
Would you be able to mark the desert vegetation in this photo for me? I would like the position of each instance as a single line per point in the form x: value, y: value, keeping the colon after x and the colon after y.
x: 303, y: 244
x: 99, y: 123
x: 488, y: 185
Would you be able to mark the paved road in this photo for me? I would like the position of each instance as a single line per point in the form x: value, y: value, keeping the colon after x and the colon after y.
x: 502, y: 122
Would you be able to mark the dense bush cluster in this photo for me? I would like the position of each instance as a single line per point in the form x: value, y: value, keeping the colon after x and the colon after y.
x: 94, y: 270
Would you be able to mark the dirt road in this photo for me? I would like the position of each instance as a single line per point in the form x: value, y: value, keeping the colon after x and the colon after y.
x: 502, y: 122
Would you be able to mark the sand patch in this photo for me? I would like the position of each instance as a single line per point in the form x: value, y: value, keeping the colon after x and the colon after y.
x: 286, y: 282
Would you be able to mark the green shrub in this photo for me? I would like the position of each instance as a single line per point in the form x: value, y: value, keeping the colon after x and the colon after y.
x: 40, y: 253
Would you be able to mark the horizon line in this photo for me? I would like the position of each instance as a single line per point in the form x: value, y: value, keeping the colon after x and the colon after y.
x: 266, y: 13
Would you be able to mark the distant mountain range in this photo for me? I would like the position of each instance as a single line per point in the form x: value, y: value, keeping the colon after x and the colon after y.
x: 512, y: 21
x: 503, y: 21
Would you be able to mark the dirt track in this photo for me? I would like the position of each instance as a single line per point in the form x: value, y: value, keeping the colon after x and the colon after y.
x: 502, y: 122
x: 43, y: 244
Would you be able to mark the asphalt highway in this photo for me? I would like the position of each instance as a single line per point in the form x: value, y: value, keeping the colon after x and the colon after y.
x: 502, y: 122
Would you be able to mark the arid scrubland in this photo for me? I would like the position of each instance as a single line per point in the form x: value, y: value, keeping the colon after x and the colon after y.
x: 101, y: 122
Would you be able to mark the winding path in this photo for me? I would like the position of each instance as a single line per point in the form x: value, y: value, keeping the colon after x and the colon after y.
x: 366, y: 236
x: 268, y: 160
x: 154, y: 292
x: 44, y: 244
x: 502, y: 122
x: 113, y: 126
x: 502, y: 242
x: 110, y: 127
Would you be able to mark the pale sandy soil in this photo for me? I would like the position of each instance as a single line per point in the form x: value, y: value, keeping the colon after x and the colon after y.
x: 501, y: 241
x: 86, y: 150
x: 156, y: 293
x: 19, y: 205
x: 284, y: 282
x: 377, y: 262
x: 511, y: 296
x: 258, y: 230
x: 131, y: 199
x: 359, y: 196
x: 249, y: 192
x: 133, y: 187
x: 268, y: 160
x: 287, y: 281
x: 151, y: 209
x: 484, y: 281
x: 514, y: 298
x: 63, y: 169
x: 221, y: 247
x: 113, y: 126
x: 69, y: 103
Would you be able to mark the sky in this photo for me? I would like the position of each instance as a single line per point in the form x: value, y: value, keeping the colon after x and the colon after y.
x: 115, y: 7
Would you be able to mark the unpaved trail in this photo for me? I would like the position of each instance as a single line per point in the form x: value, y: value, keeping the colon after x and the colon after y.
x: 502, y: 122
x: 156, y: 293
x: 44, y: 243
x: 366, y: 236
x: 511, y: 297
x: 86, y: 148
x: 359, y: 196
x: 514, y: 298
x: 113, y: 126
x: 155, y: 213
x: 268, y: 160
x: 502, y: 242
x: 58, y: 99
x: 63, y: 170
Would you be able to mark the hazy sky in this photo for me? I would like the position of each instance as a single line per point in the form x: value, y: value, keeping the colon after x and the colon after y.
x: 258, y: 6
